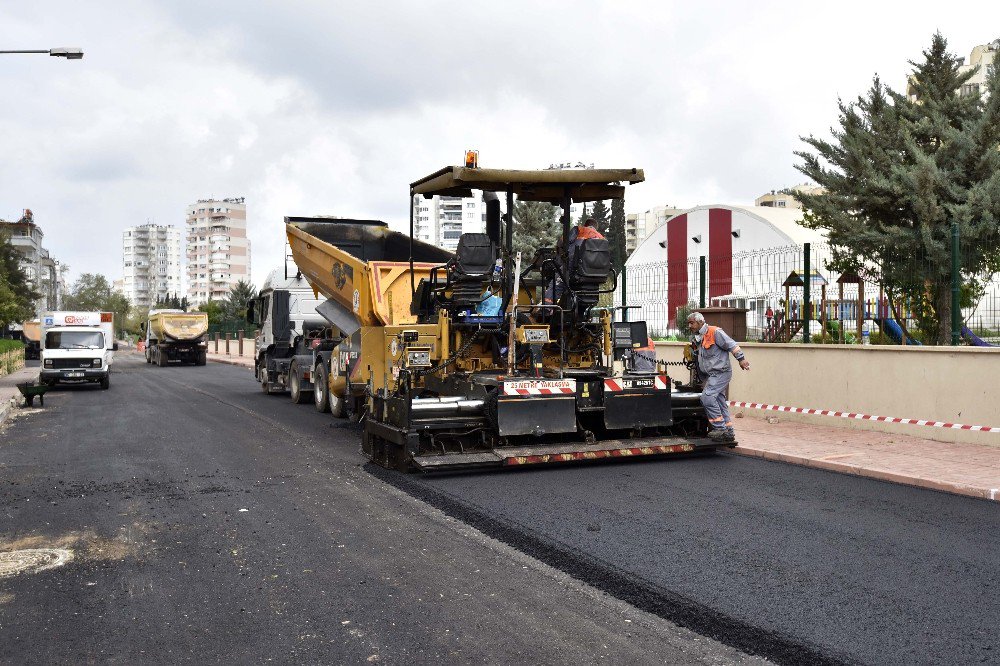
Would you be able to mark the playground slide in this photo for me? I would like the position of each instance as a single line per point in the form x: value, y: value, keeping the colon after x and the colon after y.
x: 894, y: 331
x: 974, y: 339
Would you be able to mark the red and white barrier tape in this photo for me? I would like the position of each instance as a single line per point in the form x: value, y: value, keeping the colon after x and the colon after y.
x: 862, y: 417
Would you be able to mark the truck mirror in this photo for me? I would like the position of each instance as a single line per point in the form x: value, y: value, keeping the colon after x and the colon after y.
x: 114, y: 347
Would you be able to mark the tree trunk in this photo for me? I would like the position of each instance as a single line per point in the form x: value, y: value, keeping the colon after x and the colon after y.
x: 942, y: 307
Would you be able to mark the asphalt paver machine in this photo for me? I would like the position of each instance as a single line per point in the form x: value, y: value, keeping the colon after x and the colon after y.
x: 482, y: 357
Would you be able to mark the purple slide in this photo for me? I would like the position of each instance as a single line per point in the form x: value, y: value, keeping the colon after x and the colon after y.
x: 974, y: 339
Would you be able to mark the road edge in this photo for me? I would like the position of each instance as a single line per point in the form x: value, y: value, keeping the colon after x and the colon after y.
x: 990, y: 494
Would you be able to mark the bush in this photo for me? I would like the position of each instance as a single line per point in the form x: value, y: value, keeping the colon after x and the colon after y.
x: 10, y: 345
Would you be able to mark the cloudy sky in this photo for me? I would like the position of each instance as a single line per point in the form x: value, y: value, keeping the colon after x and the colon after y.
x: 313, y: 107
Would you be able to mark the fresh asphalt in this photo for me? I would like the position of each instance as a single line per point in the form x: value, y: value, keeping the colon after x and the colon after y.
x: 213, y: 523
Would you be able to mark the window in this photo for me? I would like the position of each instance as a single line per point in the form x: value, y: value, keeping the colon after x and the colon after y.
x: 451, y: 235
x: 470, y: 204
x: 781, y: 204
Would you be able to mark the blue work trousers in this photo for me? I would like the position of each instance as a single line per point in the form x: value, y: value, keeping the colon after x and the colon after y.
x: 713, y: 398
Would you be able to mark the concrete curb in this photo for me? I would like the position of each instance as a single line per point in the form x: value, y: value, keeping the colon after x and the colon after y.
x: 242, y: 363
x: 10, y: 397
x: 854, y: 470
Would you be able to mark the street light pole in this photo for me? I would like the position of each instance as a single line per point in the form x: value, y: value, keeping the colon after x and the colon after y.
x: 70, y: 53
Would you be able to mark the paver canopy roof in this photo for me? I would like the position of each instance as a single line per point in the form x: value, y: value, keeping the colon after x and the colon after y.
x: 544, y: 185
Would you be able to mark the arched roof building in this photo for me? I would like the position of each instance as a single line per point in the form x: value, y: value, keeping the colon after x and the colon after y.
x: 663, y: 270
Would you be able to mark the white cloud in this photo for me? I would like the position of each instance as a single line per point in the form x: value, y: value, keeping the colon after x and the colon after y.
x: 333, y: 108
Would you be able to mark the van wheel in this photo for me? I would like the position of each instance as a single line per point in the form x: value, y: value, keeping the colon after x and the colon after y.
x: 106, y: 382
x: 295, y: 385
x: 321, y: 390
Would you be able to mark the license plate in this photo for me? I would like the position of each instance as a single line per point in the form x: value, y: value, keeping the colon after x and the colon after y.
x: 539, y: 387
x: 74, y: 374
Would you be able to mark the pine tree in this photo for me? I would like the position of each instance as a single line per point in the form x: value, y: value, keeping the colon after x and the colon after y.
x: 899, y: 172
x: 600, y: 215
x: 616, y: 234
x: 535, y: 226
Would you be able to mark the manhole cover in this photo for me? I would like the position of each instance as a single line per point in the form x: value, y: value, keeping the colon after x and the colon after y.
x: 32, y: 560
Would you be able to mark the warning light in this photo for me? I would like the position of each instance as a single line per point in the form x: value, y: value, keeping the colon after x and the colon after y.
x: 471, y: 159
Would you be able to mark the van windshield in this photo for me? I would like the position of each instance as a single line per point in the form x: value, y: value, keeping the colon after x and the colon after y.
x: 74, y: 340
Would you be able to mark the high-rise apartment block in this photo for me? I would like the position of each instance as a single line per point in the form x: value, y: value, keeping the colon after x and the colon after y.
x: 441, y: 220
x: 218, y: 251
x: 151, y: 264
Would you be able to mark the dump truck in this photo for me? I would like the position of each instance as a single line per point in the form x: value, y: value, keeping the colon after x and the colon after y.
x: 293, y: 341
x: 176, y: 335
x: 32, y: 334
x: 484, y: 358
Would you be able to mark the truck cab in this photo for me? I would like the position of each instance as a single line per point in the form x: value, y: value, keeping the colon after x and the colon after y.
x: 289, y: 330
x: 77, y: 347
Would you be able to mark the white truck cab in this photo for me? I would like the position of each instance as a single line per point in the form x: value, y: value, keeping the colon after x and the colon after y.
x: 77, y: 347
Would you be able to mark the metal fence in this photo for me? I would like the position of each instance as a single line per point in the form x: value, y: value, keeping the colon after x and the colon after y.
x: 884, y: 302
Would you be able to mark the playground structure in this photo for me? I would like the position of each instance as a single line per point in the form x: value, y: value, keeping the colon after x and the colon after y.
x: 843, y: 308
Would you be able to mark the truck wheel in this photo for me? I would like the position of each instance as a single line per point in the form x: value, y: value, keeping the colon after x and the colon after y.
x: 202, y: 358
x: 321, y: 390
x: 161, y: 358
x: 148, y: 359
x: 338, y: 405
x: 106, y: 382
x: 265, y: 385
x: 295, y: 385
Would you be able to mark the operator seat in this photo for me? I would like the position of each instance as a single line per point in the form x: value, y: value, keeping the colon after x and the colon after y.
x: 589, y: 269
x: 471, y: 270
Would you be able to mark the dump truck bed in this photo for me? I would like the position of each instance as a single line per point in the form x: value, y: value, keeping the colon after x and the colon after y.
x: 178, y: 326
x: 362, y: 266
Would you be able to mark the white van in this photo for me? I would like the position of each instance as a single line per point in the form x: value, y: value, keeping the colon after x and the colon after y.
x: 77, y: 347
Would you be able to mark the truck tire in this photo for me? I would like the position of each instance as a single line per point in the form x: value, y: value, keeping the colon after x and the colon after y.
x: 295, y: 385
x: 201, y: 358
x: 338, y: 405
x: 161, y: 358
x: 265, y: 385
x: 321, y: 389
x: 106, y: 381
x: 148, y: 359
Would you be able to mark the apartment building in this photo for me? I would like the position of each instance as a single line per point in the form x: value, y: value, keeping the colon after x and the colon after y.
x: 640, y: 225
x: 217, y: 248
x: 151, y: 264
x: 442, y: 220
x: 45, y: 273
x: 786, y: 198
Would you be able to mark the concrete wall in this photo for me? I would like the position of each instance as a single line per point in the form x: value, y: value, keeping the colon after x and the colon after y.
x: 955, y: 385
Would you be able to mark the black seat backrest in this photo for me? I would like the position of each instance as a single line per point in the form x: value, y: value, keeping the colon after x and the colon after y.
x: 472, y: 270
x: 589, y: 269
x: 591, y: 262
x: 475, y: 255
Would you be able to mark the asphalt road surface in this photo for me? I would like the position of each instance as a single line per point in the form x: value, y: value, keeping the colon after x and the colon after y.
x: 212, y: 523
x: 209, y: 523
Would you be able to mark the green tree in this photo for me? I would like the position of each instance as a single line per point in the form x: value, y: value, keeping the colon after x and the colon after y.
x: 601, y: 216
x: 93, y: 293
x: 899, y: 172
x: 616, y: 234
x: 215, y: 313
x: 17, y: 294
x: 235, y: 305
x: 536, y: 226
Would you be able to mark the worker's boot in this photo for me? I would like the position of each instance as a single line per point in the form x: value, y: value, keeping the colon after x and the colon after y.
x: 722, y: 435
